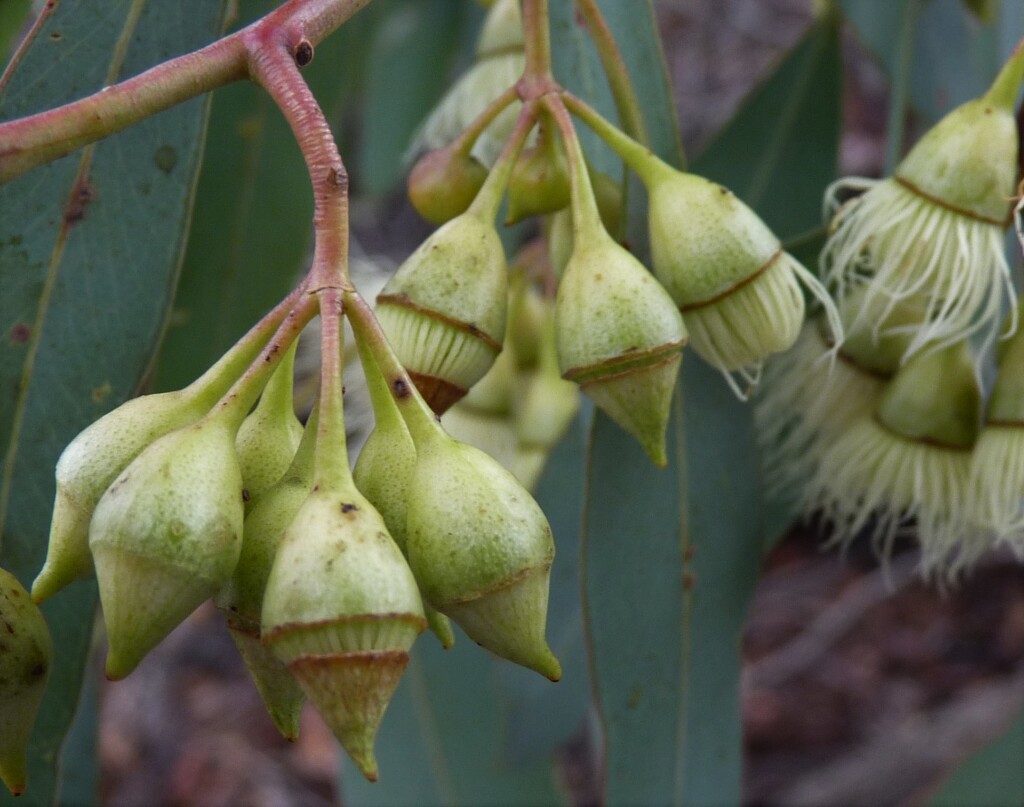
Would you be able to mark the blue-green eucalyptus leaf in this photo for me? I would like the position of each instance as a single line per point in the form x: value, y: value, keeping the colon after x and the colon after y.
x: 90, y: 247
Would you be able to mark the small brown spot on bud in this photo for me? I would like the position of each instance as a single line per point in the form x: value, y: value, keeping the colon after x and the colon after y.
x: 401, y: 388
x: 348, y: 508
x: 303, y: 53
x: 246, y: 495
x: 38, y: 670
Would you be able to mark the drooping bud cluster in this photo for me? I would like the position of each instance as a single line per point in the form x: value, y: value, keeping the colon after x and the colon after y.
x: 890, y: 439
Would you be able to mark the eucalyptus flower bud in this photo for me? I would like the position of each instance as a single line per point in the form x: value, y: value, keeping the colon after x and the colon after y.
x: 270, y: 435
x: 241, y: 598
x: 482, y: 551
x: 444, y: 311
x: 936, y: 226
x: 910, y: 461
x: 738, y: 289
x: 26, y: 654
x: 619, y: 336
x: 165, y: 536
x: 540, y: 178
x: 383, y: 472
x: 341, y: 610
x: 443, y: 183
x: 86, y: 469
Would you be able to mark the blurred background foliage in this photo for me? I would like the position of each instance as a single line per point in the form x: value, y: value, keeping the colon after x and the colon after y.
x: 656, y: 570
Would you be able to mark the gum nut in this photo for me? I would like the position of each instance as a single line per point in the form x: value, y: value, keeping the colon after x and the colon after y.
x: 482, y: 551
x: 88, y: 466
x: 341, y: 610
x: 166, y: 536
x: 444, y: 310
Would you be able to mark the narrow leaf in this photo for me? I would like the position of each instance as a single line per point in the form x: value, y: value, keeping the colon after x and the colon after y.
x: 89, y: 252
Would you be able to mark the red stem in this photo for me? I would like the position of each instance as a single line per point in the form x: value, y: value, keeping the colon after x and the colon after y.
x: 37, y: 139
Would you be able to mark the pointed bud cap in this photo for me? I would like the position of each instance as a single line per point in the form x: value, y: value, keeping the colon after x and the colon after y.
x: 86, y: 469
x: 615, y: 327
x: 281, y: 694
x: 482, y: 551
x: 443, y: 183
x: 342, y: 609
x: 26, y: 654
x: 166, y: 536
x: 935, y: 398
x: 444, y: 310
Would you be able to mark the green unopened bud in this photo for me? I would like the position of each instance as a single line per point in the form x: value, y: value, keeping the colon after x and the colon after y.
x: 443, y: 183
x: 86, y: 469
x: 619, y: 336
x: 482, y: 551
x: 241, y: 598
x: 92, y: 461
x: 270, y: 435
x: 166, y: 536
x: 26, y: 654
x: 444, y: 310
x: 726, y: 270
x: 967, y: 161
x: 342, y: 609
x: 540, y: 178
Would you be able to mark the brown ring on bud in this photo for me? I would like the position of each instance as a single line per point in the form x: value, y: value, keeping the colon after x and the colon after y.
x: 735, y: 286
x: 961, y: 211
x: 624, y: 363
